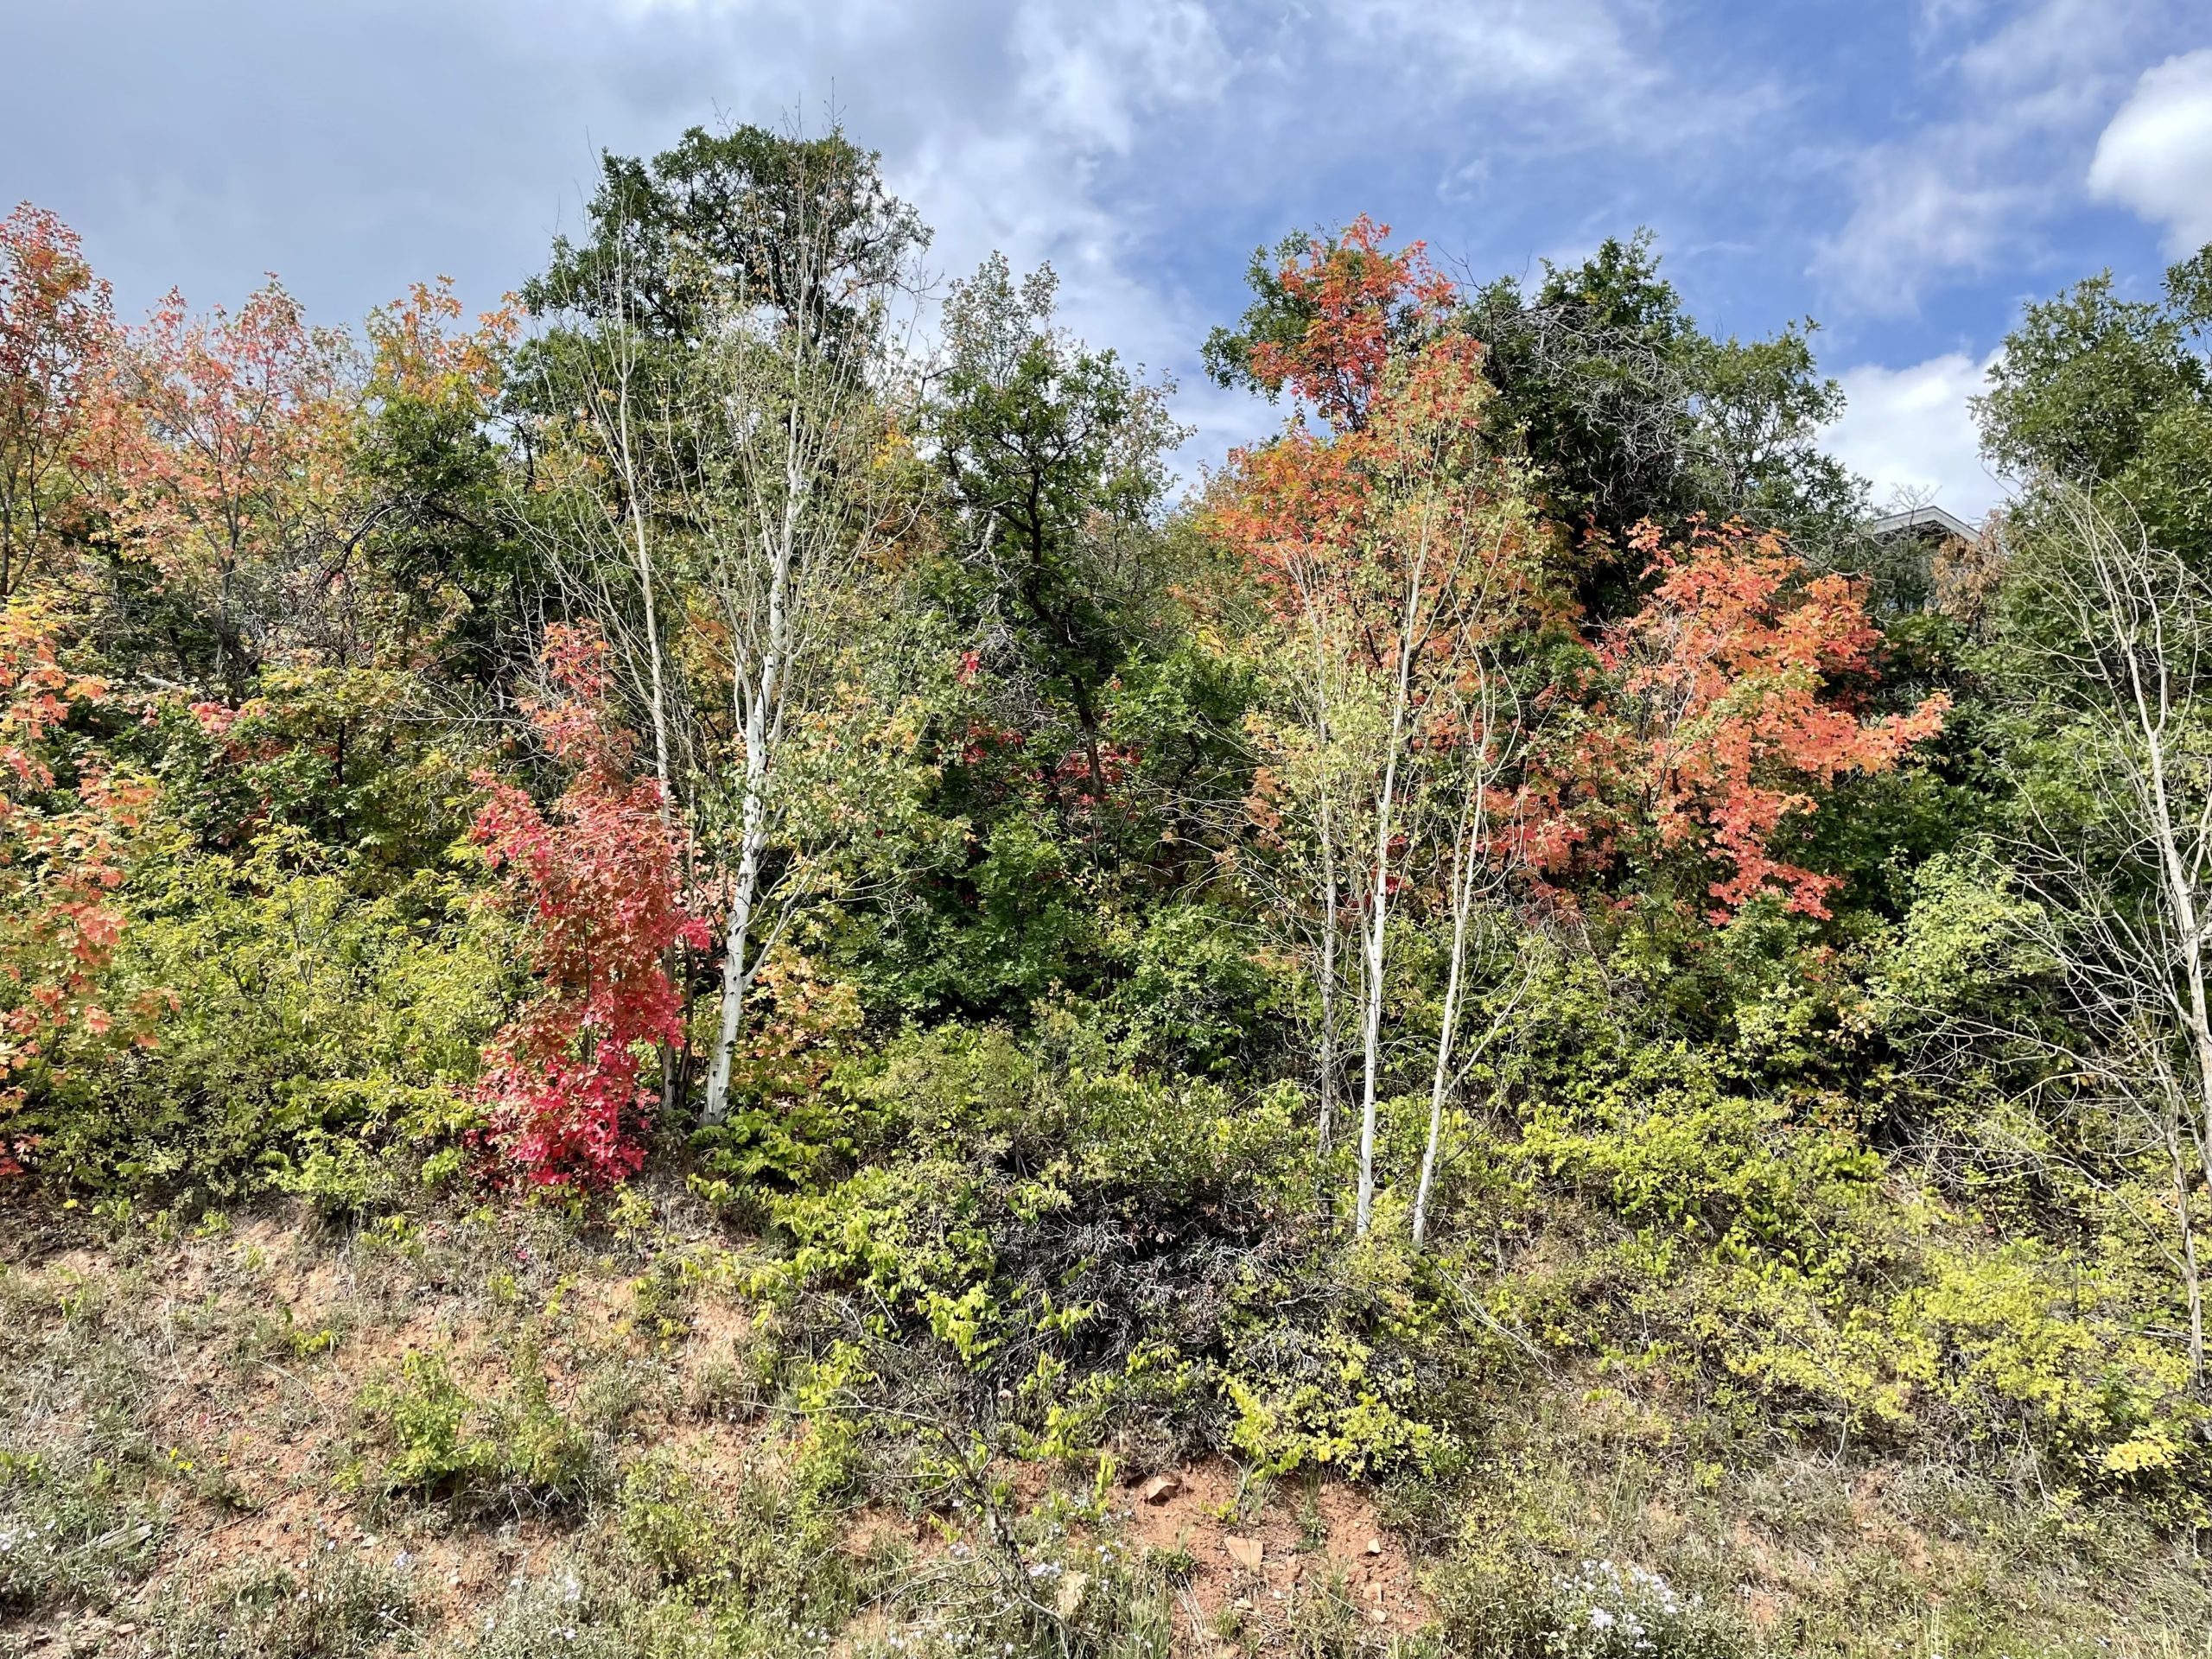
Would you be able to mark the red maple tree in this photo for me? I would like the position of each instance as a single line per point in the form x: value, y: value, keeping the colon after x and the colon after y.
x: 597, y: 879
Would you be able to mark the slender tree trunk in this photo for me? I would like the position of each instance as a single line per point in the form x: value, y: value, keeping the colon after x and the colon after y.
x: 672, y: 1055
x: 2192, y: 1282
x: 1468, y: 850
x: 1087, y: 723
x: 1374, y: 938
x: 763, y: 725
x: 641, y: 556
x: 2150, y: 697
x: 1441, y: 1082
x: 1330, y: 929
x: 1328, y: 974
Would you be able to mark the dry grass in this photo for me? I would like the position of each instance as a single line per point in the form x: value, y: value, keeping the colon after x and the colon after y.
x: 191, y: 1469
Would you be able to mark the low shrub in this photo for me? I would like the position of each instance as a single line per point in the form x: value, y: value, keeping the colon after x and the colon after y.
x: 439, y: 1440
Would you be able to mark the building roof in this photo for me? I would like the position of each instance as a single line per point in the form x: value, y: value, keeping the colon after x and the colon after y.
x: 1919, y: 521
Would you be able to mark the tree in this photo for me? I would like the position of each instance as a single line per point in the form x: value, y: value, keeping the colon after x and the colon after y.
x: 2110, y: 647
x: 225, y: 453
x: 1743, y: 671
x: 798, y: 488
x: 713, y: 430
x: 443, y: 556
x: 805, y: 226
x: 1393, y: 550
x: 1718, y: 717
x: 1055, y: 458
x: 1629, y: 411
x: 1474, y: 731
x: 598, y: 880
x: 2097, y: 391
x: 57, y: 334
x: 1624, y: 408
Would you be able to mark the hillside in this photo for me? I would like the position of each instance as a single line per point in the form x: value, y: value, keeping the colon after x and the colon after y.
x: 695, y: 969
x: 493, y: 1434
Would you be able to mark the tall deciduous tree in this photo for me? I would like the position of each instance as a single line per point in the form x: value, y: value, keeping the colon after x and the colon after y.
x: 805, y: 226
x: 1623, y: 407
x: 2112, y: 651
x: 713, y: 431
x: 801, y: 486
x: 1056, y: 459
x: 57, y: 337
x: 2104, y: 393
x: 1392, y: 546
x: 226, y: 445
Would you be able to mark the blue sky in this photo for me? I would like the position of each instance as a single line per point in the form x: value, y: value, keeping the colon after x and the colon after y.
x: 1906, y: 171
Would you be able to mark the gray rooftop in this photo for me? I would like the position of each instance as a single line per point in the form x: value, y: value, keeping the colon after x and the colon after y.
x: 1926, y: 521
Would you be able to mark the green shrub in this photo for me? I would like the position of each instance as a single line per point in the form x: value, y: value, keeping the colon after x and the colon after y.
x: 440, y: 1440
x: 1197, y: 1002
x: 1670, y: 1149
x: 301, y: 1016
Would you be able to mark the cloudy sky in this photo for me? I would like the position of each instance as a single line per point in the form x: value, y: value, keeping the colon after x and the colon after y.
x: 1906, y: 171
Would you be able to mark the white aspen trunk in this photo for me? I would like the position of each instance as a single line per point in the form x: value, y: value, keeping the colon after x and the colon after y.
x: 2151, y: 702
x: 1329, y: 1063
x: 1328, y: 980
x: 1469, y: 837
x: 656, y: 685
x: 1441, y: 1082
x: 1379, y: 915
x: 2192, y: 1280
x: 1372, y: 945
x: 641, y: 556
x: 1328, y: 973
x: 763, y: 722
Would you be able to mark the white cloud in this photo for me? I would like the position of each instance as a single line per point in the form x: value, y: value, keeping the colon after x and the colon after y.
x: 1911, y: 433
x: 1503, y: 45
x: 2017, y: 106
x: 2156, y: 157
x: 1917, y: 214
x: 1090, y: 72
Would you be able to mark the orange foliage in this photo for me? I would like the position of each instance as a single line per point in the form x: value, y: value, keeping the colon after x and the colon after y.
x: 62, y: 843
x: 57, y: 332
x: 1731, y: 709
x: 1393, y: 500
x: 1368, y: 305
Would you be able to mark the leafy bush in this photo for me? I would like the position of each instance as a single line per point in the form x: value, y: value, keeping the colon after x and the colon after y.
x: 1195, y: 999
x: 300, y: 1015
x: 1674, y: 1153
x: 443, y: 1441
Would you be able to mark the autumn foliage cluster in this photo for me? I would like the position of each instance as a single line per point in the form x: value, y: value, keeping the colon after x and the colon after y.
x: 228, y: 479
x: 1517, y: 881
x: 597, y: 876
